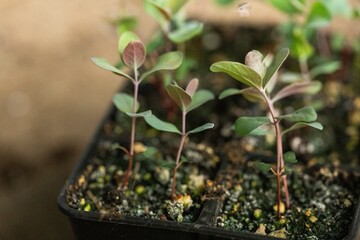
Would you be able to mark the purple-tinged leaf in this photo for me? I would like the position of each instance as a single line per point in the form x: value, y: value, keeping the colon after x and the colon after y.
x: 192, y: 86
x: 254, y: 60
x: 134, y: 54
x: 179, y: 96
x: 298, y: 88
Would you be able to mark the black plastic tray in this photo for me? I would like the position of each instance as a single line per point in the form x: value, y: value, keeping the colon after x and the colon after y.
x: 90, y: 225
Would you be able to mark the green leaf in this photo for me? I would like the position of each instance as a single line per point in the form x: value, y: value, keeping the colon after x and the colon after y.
x: 290, y: 77
x: 248, y: 125
x: 275, y: 65
x: 325, y: 68
x: 200, y: 97
x: 224, y: 2
x: 238, y: 71
x: 250, y: 94
x: 305, y: 114
x: 299, y: 45
x: 155, y: 42
x: 288, y: 6
x: 287, y: 171
x: 201, y: 128
x: 167, y: 61
x: 104, y: 64
x: 142, y: 114
x: 150, y: 152
x: 166, y: 164
x: 186, y: 32
x: 160, y: 125
x: 126, y: 24
x: 337, y: 7
x: 290, y: 157
x: 125, y: 103
x: 229, y: 92
x: 124, y: 40
x: 263, y: 167
x: 319, y: 15
x: 298, y: 88
x: 134, y: 54
x: 315, y: 125
x: 179, y: 96
x: 175, y: 5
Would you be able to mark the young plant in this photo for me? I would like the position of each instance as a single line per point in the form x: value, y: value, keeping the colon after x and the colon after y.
x: 260, y: 77
x: 187, y: 100
x: 298, y: 35
x: 133, y: 54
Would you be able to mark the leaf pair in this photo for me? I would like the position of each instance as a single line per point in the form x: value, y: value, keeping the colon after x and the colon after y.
x: 289, y: 157
x: 133, y: 55
x: 187, y: 100
x: 165, y: 12
x: 302, y: 117
x: 254, y: 73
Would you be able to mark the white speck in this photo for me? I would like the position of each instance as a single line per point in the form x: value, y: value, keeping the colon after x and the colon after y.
x: 243, y: 10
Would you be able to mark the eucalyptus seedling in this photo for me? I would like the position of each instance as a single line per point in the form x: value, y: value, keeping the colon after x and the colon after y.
x: 187, y: 100
x: 259, y: 74
x: 133, y: 54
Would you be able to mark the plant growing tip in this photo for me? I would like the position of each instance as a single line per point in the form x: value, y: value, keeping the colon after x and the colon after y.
x: 186, y: 100
x: 257, y: 73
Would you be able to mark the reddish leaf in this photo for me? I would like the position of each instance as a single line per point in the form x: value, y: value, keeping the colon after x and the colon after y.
x: 134, y: 54
x: 192, y: 86
x: 298, y: 88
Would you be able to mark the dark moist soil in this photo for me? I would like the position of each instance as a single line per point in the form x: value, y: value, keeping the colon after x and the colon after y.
x: 323, y: 194
x: 99, y: 188
x: 323, y: 199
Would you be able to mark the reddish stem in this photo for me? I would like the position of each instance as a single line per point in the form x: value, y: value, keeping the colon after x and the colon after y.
x: 177, y: 163
x: 280, y: 158
x: 132, y: 136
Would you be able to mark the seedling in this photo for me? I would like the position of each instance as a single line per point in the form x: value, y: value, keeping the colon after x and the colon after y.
x: 133, y: 54
x: 260, y: 77
x: 298, y: 35
x: 187, y: 100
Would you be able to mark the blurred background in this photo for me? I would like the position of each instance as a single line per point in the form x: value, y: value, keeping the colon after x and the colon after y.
x: 52, y: 97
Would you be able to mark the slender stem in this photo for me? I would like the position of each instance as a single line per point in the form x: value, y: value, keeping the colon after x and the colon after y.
x: 177, y: 163
x: 278, y: 184
x: 304, y: 68
x: 279, y: 149
x: 132, y: 136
